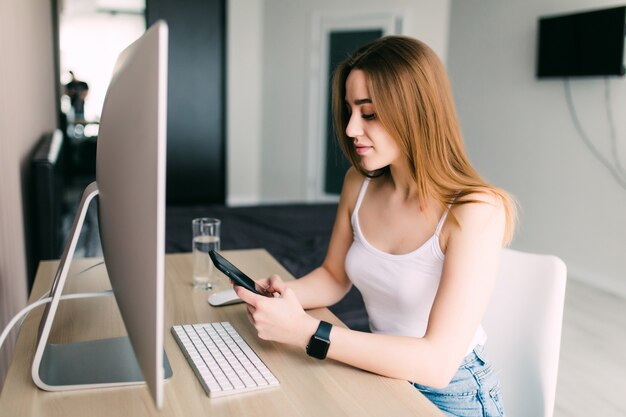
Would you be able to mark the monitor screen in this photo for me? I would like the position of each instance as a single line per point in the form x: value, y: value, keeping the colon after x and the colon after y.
x: 130, y: 186
x: 582, y: 44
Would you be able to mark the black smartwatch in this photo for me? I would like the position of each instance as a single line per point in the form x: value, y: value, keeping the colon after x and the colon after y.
x: 320, y: 341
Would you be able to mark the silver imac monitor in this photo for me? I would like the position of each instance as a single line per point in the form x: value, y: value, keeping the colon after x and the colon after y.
x: 130, y: 186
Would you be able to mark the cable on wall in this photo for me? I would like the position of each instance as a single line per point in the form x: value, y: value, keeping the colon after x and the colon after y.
x: 612, y: 134
x: 616, y: 170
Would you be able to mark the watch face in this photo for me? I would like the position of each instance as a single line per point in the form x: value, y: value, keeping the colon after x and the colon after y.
x: 317, y: 347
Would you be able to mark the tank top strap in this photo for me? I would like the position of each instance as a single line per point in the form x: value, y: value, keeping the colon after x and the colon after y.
x: 442, y: 220
x: 359, y: 199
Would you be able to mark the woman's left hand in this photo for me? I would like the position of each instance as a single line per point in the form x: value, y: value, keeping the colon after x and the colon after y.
x: 280, y: 318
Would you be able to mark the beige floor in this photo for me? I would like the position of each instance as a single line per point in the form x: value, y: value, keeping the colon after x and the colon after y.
x: 592, y: 368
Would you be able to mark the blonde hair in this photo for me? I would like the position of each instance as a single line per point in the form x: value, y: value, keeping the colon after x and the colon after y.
x: 410, y: 90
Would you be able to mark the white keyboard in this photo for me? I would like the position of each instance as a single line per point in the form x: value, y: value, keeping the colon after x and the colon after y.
x: 221, y: 359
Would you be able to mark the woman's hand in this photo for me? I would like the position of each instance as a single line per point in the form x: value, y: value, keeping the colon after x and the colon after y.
x: 270, y: 286
x: 280, y: 318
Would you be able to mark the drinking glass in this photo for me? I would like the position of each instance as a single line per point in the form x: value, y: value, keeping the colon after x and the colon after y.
x: 206, y: 237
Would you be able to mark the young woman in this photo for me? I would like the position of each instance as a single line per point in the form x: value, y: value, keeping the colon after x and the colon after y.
x: 417, y: 231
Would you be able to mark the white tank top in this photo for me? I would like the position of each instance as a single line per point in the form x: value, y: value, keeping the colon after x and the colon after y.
x: 398, y: 290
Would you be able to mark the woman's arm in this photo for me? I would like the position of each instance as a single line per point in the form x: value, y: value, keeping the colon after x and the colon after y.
x: 468, y: 277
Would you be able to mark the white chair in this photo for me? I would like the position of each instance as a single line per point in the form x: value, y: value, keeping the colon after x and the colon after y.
x: 523, y: 324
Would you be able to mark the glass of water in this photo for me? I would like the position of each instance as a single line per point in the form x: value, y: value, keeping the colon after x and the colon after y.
x: 206, y: 237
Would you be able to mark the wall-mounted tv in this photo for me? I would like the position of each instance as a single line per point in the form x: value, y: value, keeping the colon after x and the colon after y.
x: 582, y: 44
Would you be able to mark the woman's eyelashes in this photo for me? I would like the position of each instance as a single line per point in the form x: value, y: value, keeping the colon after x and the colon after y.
x: 366, y: 114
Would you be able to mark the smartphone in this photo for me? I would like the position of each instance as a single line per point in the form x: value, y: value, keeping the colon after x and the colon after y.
x: 232, y: 272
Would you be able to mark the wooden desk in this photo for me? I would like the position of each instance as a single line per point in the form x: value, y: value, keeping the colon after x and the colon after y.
x: 308, y: 387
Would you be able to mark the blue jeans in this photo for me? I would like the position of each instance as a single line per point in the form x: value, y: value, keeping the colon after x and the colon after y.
x: 473, y: 392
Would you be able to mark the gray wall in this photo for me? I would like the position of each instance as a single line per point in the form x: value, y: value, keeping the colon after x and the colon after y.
x: 520, y: 136
x: 27, y: 111
x: 269, y: 56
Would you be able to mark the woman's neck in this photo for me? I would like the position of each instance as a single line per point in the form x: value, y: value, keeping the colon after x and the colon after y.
x: 402, y: 182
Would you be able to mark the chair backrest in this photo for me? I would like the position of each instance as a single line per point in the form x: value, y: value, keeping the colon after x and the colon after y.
x: 523, y: 324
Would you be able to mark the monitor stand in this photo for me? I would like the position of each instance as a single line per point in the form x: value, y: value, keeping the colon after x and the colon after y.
x: 88, y: 364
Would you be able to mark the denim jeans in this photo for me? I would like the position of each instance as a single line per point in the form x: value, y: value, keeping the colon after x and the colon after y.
x: 473, y: 392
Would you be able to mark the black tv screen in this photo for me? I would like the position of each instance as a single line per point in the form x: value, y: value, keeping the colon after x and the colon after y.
x: 582, y: 44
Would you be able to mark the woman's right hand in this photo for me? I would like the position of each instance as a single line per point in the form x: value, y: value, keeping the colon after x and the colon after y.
x: 278, y: 315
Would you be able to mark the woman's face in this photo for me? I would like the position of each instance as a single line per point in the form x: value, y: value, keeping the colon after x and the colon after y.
x: 372, y: 143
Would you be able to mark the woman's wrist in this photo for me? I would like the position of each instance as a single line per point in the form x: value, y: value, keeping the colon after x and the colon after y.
x: 308, y: 329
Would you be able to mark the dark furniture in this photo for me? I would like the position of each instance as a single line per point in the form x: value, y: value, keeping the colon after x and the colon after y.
x: 59, y: 171
x: 45, y: 201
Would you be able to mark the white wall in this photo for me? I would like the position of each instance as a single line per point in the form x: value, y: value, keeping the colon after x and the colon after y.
x: 520, y: 136
x: 267, y: 139
x: 27, y: 111
x: 243, y: 125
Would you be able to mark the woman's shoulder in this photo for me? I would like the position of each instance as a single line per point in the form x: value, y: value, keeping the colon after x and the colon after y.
x: 477, y: 211
x: 353, y: 180
x: 352, y: 183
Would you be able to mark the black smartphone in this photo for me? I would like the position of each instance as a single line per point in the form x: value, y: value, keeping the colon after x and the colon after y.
x: 232, y: 272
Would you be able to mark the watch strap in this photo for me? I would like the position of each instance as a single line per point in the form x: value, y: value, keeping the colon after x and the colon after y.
x: 323, y: 331
x: 320, y: 341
